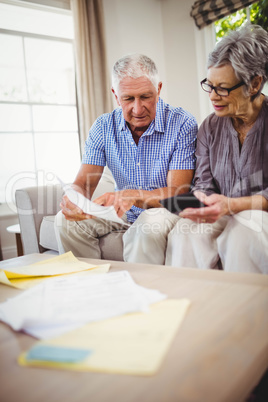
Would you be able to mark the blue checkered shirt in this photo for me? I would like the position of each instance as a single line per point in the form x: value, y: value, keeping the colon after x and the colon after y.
x: 167, y: 144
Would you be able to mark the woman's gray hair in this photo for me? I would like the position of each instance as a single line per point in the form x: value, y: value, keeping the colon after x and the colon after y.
x: 246, y: 50
x: 134, y: 66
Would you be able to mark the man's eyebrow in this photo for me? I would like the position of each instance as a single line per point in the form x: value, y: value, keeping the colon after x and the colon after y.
x: 132, y: 96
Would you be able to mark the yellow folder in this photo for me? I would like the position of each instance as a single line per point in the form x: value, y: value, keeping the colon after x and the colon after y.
x: 30, y: 275
x: 131, y: 344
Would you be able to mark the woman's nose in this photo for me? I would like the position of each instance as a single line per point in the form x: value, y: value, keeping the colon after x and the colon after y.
x: 213, y: 95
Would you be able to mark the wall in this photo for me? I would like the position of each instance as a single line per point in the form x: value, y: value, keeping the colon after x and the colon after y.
x: 180, y: 55
x: 163, y: 30
x: 135, y: 26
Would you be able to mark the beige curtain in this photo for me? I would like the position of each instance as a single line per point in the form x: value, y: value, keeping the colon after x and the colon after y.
x: 93, y: 81
x: 205, y: 12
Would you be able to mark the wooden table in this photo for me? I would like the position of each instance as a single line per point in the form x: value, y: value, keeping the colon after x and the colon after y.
x: 219, y: 354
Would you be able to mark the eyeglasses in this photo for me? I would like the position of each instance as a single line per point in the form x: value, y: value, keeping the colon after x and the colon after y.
x: 219, y: 90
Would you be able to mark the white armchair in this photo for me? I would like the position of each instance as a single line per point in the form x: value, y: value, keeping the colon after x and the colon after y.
x: 37, y: 207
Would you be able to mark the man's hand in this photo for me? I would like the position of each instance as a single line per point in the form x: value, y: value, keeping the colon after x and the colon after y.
x: 71, y: 211
x: 121, y: 200
x: 216, y: 206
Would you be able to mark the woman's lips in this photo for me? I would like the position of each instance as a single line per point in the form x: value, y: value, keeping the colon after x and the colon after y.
x: 218, y: 107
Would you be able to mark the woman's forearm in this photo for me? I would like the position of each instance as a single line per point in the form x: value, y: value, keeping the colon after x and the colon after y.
x: 244, y: 203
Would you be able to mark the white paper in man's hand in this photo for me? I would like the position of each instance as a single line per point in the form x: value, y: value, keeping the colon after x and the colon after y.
x: 90, y: 207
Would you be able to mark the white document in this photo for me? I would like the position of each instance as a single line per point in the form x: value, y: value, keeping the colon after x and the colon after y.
x: 90, y: 207
x: 65, y: 303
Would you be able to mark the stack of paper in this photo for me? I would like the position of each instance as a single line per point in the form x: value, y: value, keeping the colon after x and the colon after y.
x: 90, y: 322
x: 67, y: 302
x: 30, y: 275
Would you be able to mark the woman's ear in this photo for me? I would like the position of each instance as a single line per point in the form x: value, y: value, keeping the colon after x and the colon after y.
x: 255, y: 85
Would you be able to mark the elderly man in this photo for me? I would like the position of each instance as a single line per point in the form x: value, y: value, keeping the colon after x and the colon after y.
x: 149, y: 147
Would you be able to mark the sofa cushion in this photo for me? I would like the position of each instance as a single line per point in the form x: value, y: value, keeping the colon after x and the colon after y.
x: 47, y: 233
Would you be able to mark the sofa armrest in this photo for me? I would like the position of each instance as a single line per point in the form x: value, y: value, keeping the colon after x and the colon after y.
x: 33, y: 203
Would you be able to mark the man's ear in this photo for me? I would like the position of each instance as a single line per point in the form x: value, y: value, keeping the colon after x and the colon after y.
x: 255, y: 84
x: 116, y: 97
x: 159, y: 88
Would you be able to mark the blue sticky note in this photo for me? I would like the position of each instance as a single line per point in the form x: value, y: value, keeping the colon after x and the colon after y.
x: 57, y: 354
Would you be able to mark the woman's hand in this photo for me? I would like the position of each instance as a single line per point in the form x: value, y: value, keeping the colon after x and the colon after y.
x: 71, y: 211
x: 216, y: 206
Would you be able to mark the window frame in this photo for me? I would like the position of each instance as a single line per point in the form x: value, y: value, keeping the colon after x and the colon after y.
x: 35, y: 174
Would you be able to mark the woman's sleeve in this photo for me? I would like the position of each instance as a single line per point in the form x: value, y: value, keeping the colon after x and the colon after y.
x: 203, y: 178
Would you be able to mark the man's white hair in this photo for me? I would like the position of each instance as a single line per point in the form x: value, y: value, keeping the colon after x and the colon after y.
x: 134, y: 66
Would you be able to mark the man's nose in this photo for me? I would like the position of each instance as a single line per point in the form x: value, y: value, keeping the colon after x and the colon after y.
x: 138, y: 106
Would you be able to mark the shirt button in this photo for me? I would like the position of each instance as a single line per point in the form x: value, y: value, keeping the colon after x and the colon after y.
x: 138, y: 164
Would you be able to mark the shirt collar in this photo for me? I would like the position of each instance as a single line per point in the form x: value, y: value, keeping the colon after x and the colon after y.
x: 122, y: 123
x: 160, y: 116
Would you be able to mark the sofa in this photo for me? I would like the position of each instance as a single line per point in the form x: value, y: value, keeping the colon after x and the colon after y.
x: 37, y: 207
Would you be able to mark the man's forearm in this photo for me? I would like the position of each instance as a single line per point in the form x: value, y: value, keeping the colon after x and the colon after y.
x: 86, y: 190
x: 87, y: 179
x: 150, y: 199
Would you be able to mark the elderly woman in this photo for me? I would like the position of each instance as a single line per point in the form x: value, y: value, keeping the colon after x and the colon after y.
x: 231, y: 179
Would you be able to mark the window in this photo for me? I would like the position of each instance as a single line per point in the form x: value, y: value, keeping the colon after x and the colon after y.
x: 38, y: 112
x: 254, y: 14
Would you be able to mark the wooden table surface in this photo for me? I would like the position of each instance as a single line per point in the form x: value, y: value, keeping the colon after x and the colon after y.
x: 219, y: 353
